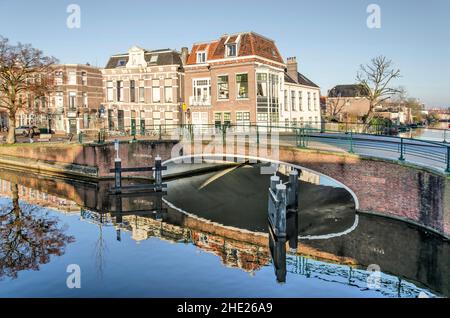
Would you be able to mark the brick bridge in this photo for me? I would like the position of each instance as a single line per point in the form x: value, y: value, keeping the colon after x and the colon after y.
x: 379, y: 186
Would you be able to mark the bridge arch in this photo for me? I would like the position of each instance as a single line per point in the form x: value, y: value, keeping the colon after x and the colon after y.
x: 267, y: 160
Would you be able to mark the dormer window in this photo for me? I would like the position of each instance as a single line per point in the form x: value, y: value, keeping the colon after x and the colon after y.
x: 231, y: 50
x: 153, y: 59
x: 201, y: 57
x: 121, y: 62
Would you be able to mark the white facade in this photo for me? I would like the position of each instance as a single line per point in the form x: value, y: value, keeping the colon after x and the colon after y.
x: 300, y: 106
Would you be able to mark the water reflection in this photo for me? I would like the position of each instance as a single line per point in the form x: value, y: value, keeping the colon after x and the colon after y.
x: 332, y: 266
x: 28, y: 237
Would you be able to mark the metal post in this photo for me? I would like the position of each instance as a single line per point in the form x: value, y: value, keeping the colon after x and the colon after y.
x: 257, y: 135
x: 158, y: 173
x: 117, y: 169
x: 448, y: 160
x: 351, y: 142
x: 402, y: 157
x: 118, y: 175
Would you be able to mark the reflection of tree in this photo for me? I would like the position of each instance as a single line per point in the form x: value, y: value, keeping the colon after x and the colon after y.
x: 28, y: 238
x: 100, y: 251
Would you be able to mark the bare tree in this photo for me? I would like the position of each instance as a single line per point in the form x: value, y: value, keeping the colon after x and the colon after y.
x: 25, y: 75
x: 335, y: 106
x: 376, y: 78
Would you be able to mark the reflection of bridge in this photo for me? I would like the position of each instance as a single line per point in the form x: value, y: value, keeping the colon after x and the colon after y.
x: 379, y: 240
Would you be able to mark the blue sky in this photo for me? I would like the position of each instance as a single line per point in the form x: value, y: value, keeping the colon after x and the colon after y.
x: 330, y: 38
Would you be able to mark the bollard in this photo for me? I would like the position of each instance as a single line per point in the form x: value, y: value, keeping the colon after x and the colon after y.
x: 292, y: 191
x: 280, y: 221
x: 158, y: 173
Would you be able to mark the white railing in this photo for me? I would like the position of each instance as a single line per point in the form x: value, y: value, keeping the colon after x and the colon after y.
x: 200, y: 100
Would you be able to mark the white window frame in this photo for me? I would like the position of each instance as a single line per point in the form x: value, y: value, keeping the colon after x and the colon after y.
x: 200, y: 54
x: 248, y: 86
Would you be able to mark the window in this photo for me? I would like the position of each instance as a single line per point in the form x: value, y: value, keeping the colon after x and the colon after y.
x: 72, y: 78
x: 217, y: 119
x: 242, y: 85
x: 261, y: 85
x: 294, y: 122
x: 168, y: 91
x: 156, y: 91
x: 83, y: 78
x: 315, y: 101
x: 262, y: 117
x: 227, y: 119
x: 109, y: 91
x: 243, y: 118
x: 293, y: 98
x: 154, y: 59
x: 132, y: 91
x: 121, y: 63
x: 300, y: 100
x: 58, y: 77
x: 230, y: 50
x: 286, y: 108
x: 85, y: 99
x: 120, y: 91
x: 201, y: 57
x: 59, y: 100
x: 72, y: 100
x: 309, y: 101
x: 202, y: 91
x: 141, y: 92
x: 222, y: 87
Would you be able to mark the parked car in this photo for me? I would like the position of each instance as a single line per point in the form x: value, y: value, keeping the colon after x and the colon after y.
x: 25, y: 130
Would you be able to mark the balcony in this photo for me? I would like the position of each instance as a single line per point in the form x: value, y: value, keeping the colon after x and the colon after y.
x: 200, y: 100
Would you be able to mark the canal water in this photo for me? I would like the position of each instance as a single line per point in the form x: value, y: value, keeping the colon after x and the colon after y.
x: 207, y: 237
x: 438, y: 132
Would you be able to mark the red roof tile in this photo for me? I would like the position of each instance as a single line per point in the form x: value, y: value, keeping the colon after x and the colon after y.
x: 249, y: 44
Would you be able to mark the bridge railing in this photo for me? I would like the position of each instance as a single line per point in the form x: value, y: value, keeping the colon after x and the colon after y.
x: 426, y: 153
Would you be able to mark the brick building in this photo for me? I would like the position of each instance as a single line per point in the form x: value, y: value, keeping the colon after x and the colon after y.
x: 72, y: 106
x: 143, y: 88
x: 240, y: 79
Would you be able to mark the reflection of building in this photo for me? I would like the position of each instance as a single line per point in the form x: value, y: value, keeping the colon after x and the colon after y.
x: 33, y: 196
x: 143, y: 88
x: 72, y: 106
x: 306, y: 175
x: 233, y: 253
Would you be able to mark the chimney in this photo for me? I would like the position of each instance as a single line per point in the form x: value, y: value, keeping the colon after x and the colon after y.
x: 291, y: 67
x: 184, y: 55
